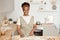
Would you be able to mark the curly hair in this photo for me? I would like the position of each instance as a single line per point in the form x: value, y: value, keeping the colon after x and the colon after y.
x: 25, y: 3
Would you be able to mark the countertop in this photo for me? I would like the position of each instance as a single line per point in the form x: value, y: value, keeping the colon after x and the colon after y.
x: 37, y: 38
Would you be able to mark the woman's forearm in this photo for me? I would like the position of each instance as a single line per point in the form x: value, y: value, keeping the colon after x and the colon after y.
x: 19, y: 30
x: 32, y: 31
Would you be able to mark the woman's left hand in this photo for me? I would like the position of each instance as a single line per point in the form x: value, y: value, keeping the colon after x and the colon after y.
x: 30, y: 34
x: 32, y: 31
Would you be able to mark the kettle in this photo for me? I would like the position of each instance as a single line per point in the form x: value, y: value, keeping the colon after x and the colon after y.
x: 38, y: 31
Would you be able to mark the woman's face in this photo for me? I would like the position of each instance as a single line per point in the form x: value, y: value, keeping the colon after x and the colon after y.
x: 25, y: 9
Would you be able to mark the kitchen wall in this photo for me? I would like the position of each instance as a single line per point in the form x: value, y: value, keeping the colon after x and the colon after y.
x: 6, y: 7
x: 38, y: 15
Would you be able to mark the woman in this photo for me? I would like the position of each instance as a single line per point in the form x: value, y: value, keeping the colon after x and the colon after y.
x: 26, y: 24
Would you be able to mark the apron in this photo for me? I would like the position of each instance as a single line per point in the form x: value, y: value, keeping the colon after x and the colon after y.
x: 26, y: 28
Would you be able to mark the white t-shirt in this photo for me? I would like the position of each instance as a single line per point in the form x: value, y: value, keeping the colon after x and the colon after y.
x: 27, y: 19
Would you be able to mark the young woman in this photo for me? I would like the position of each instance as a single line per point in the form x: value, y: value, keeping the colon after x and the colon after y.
x: 26, y: 24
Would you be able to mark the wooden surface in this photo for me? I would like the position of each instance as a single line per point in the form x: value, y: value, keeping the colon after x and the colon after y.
x: 38, y: 38
x: 5, y: 38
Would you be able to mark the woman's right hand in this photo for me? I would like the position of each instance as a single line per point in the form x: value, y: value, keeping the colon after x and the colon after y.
x: 21, y: 35
x: 19, y: 31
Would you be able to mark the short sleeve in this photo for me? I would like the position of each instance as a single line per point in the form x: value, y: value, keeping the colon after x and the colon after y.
x: 18, y: 22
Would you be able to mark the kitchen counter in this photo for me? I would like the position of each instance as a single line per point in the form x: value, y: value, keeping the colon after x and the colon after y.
x: 37, y: 38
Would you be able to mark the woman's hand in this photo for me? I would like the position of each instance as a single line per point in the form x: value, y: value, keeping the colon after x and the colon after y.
x: 31, y: 34
x: 19, y: 31
x: 21, y: 35
x: 32, y: 31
